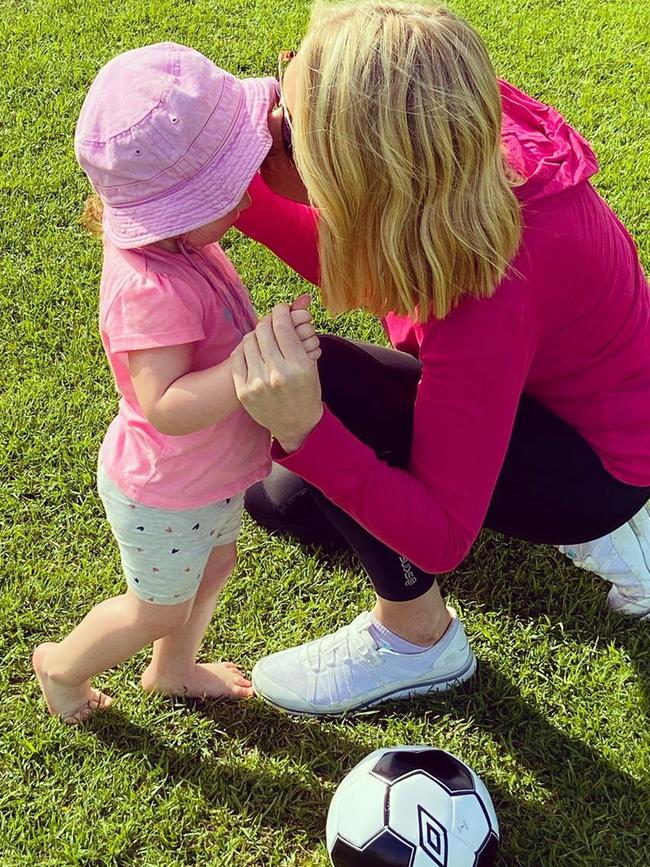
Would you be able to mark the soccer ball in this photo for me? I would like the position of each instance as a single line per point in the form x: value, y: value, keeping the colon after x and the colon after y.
x: 412, y: 807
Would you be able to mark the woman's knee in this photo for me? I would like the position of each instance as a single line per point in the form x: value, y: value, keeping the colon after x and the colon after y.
x: 284, y: 503
x: 275, y: 496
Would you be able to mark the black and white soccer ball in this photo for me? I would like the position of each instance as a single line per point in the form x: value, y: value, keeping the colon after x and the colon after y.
x: 412, y: 807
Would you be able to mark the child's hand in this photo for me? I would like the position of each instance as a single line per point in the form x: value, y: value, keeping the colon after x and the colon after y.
x: 302, y: 322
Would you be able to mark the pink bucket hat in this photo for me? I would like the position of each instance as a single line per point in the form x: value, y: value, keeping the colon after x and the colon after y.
x: 170, y: 142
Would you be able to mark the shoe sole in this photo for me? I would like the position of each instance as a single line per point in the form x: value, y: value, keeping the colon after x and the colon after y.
x: 403, y: 693
x: 630, y: 613
x: 619, y: 604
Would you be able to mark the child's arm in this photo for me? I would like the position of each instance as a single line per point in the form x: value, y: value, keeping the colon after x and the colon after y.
x: 174, y: 398
x: 177, y: 400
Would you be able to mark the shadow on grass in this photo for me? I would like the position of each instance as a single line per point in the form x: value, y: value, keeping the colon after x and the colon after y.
x: 570, y: 826
x: 590, y: 812
x: 262, y: 795
x: 554, y: 588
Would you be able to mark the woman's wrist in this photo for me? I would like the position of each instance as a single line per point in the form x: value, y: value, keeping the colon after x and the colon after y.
x: 292, y: 440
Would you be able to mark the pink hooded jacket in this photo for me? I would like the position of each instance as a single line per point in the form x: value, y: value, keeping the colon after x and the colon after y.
x: 570, y: 326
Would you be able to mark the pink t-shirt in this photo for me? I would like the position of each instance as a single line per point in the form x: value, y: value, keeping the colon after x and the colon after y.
x: 570, y: 325
x: 153, y: 298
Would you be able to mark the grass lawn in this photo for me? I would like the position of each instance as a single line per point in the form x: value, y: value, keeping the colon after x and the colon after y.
x: 556, y: 720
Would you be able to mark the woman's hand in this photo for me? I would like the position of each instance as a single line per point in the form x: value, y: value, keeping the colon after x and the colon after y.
x: 278, y: 169
x: 276, y: 381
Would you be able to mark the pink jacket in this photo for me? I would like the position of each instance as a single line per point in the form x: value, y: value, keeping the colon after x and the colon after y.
x: 570, y: 326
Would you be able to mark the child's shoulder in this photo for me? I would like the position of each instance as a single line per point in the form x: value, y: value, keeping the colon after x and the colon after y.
x: 138, y: 283
x: 127, y: 271
x: 144, y: 262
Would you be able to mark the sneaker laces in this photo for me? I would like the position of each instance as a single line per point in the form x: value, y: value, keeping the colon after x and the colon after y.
x: 343, y: 646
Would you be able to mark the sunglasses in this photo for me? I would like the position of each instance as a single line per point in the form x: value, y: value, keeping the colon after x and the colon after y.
x: 284, y: 59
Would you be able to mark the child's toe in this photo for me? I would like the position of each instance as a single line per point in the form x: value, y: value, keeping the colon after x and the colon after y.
x: 96, y: 701
x: 77, y: 718
x: 99, y: 701
x: 242, y: 691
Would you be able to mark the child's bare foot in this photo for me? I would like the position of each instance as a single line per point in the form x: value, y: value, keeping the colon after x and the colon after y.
x: 204, y: 680
x: 73, y: 704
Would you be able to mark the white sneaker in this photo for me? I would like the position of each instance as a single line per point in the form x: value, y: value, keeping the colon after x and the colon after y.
x: 347, y: 671
x: 622, y: 557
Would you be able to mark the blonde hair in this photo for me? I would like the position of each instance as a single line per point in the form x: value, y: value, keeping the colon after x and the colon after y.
x: 398, y: 140
x: 93, y: 214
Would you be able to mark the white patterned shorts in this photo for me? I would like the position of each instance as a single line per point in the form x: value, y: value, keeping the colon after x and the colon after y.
x: 164, y: 551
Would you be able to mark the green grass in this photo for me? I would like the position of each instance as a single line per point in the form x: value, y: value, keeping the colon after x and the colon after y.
x: 556, y: 720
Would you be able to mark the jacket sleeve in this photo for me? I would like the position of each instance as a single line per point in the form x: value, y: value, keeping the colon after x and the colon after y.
x: 287, y: 228
x: 474, y: 365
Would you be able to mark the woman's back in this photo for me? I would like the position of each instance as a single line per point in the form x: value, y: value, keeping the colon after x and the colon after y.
x: 570, y: 324
x: 592, y: 360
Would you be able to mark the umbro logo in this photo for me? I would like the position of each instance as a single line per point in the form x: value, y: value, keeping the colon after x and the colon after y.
x: 433, y: 837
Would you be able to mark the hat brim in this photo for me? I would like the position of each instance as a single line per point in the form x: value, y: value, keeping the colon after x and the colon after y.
x: 211, y: 193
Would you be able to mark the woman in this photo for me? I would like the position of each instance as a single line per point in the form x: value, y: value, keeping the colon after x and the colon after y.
x: 517, y: 395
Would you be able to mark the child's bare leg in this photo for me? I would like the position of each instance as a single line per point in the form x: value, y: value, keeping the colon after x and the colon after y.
x: 113, y: 631
x: 173, y: 669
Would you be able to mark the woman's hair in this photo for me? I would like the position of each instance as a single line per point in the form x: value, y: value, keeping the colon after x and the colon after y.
x: 93, y: 215
x: 398, y: 140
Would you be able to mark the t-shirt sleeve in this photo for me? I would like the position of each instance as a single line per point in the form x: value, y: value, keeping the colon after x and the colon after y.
x: 150, y: 311
x: 473, y: 370
x: 287, y: 228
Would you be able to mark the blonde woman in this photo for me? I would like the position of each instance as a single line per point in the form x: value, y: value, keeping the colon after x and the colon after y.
x: 517, y: 395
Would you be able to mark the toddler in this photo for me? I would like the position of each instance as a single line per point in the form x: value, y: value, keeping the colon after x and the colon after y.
x: 170, y: 143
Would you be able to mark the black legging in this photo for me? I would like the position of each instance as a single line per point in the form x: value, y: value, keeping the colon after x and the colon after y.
x: 552, y: 487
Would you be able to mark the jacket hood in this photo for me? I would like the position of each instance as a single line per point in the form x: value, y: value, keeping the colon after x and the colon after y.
x: 548, y: 153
